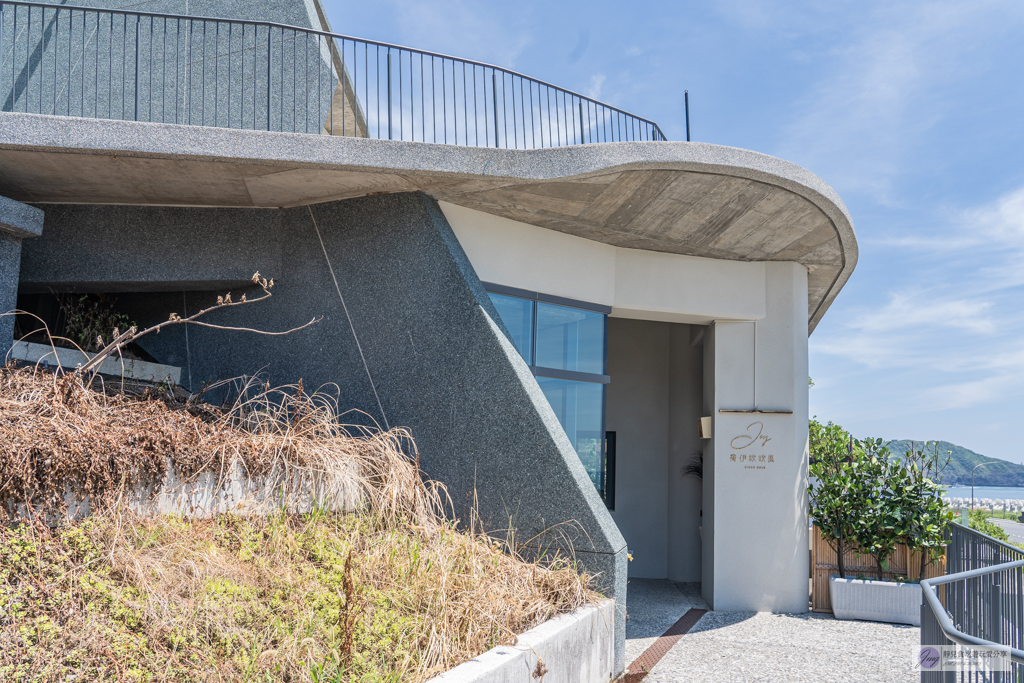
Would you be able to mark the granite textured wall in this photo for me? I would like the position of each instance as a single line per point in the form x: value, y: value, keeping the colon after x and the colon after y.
x: 172, y: 70
x: 416, y: 343
x: 10, y: 260
x: 17, y: 221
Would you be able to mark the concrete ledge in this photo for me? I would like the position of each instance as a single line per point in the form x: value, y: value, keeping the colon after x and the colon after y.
x: 20, y: 220
x: 745, y: 205
x: 72, y: 358
x: 576, y: 648
x: 212, y: 493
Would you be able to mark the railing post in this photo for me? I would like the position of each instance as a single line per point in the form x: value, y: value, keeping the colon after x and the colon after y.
x: 581, y: 124
x: 268, y: 77
x: 996, y: 626
x: 932, y: 635
x: 686, y: 101
x: 494, y: 94
x: 389, y: 93
x: 137, y: 31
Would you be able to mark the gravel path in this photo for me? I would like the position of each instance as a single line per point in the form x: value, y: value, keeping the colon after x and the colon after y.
x: 759, y: 646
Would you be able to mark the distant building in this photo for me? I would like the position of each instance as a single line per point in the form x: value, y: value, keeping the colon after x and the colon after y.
x: 550, y: 319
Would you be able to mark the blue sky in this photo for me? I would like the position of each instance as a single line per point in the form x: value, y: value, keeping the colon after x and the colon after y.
x: 913, y: 112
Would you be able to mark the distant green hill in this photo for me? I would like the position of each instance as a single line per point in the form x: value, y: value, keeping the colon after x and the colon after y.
x: 1003, y: 473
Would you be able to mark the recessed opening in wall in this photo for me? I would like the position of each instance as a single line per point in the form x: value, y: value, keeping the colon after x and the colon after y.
x: 75, y: 320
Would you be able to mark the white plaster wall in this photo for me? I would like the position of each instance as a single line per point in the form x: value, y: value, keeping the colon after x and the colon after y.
x: 654, y: 401
x: 637, y: 284
x: 707, y: 586
x: 637, y: 410
x: 759, y: 508
x: 515, y: 254
x: 754, y: 546
x: 684, y: 492
x: 686, y: 289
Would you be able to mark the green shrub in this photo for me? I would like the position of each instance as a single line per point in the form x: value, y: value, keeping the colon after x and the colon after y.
x: 978, y: 520
x: 863, y: 497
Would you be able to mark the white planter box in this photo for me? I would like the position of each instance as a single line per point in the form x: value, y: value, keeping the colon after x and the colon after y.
x: 70, y: 359
x: 574, y: 648
x: 872, y: 600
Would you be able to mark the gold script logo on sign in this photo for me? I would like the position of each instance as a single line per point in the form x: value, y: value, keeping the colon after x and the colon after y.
x: 750, y: 448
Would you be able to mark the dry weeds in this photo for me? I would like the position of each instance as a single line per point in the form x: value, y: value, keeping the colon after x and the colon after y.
x: 394, y: 592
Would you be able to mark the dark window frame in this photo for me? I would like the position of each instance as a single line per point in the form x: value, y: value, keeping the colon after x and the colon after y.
x: 546, y: 298
x: 609, y: 470
x: 607, y: 489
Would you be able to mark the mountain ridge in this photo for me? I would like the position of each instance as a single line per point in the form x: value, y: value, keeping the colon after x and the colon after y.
x: 963, y: 460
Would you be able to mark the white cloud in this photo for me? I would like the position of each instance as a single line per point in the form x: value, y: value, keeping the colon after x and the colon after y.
x: 1002, y: 221
x: 914, y: 310
x: 596, y: 83
x: 958, y: 328
x: 888, y: 84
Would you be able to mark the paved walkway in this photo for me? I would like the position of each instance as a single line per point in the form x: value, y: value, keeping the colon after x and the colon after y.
x: 1015, y: 530
x: 652, y: 605
x: 753, y: 646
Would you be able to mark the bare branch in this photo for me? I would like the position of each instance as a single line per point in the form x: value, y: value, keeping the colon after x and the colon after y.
x: 249, y: 329
x: 224, y: 301
x: 110, y: 348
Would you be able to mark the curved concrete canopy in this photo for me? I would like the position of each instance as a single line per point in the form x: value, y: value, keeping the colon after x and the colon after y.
x: 677, y: 197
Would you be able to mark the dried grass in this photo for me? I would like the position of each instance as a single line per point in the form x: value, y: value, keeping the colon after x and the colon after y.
x: 393, y: 593
x: 61, y: 440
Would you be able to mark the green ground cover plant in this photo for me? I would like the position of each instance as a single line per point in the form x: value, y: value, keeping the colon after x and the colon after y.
x: 321, y: 597
x: 1003, y: 514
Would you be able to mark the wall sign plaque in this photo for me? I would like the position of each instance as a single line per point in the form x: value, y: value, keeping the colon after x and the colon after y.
x: 752, y: 448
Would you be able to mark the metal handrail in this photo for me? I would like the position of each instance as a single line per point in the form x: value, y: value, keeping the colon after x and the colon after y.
x: 237, y: 73
x: 951, y: 632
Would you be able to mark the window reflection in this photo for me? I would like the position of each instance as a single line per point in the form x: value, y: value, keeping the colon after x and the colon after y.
x: 570, y: 338
x: 517, y: 314
x: 554, y: 338
x: 579, y: 407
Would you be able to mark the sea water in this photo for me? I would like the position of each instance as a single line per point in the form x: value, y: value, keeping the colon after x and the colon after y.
x: 993, y: 492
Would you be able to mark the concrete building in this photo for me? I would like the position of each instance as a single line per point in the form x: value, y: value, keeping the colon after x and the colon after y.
x: 544, y: 290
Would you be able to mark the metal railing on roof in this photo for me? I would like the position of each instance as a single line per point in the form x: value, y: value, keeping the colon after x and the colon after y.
x: 145, y: 66
x: 984, y: 596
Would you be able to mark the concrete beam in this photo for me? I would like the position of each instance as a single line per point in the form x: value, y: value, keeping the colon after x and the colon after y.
x: 20, y: 220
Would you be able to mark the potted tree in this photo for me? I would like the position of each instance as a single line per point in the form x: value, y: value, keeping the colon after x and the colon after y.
x: 889, y: 502
x: 834, y: 494
x: 927, y: 515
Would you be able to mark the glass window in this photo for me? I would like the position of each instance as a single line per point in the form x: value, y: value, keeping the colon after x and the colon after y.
x: 570, y: 338
x: 517, y: 314
x: 579, y: 407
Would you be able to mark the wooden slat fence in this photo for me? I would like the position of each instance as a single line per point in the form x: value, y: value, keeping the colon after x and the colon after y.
x: 902, y: 563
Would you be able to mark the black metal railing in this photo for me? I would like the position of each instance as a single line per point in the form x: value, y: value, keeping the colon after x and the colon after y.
x: 144, y: 66
x: 967, y: 549
x: 984, y: 602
